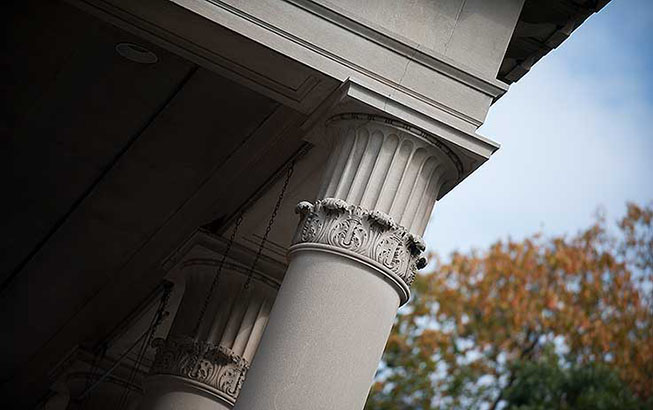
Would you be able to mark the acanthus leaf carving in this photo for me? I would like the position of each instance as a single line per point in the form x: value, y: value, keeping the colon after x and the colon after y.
x: 373, y: 234
x: 213, y: 365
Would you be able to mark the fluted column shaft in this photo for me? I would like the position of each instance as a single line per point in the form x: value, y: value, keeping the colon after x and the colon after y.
x: 202, y: 365
x: 353, y: 258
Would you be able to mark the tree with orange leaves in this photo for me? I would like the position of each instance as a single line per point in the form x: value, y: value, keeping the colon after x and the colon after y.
x: 478, y: 319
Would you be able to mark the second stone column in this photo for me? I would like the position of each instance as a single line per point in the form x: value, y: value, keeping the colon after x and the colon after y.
x: 202, y: 363
x: 353, y: 258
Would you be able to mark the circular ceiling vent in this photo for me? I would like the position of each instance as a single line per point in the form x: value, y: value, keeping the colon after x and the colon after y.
x: 136, y: 53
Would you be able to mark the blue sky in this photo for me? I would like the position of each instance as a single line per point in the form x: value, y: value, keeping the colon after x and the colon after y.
x: 575, y: 135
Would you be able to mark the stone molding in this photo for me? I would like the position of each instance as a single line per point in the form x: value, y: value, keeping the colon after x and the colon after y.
x: 212, y: 365
x: 402, y: 45
x: 371, y: 234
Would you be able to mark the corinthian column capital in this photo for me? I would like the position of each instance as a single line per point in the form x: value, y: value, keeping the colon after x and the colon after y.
x: 205, y: 363
x: 382, y: 180
x: 359, y: 233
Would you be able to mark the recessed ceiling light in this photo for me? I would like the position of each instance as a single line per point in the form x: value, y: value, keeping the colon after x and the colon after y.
x: 136, y: 53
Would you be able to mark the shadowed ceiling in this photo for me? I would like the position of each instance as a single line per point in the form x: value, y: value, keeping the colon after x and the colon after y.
x: 108, y: 166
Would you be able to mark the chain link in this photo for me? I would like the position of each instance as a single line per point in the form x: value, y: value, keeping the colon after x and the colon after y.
x: 230, y: 242
x: 216, y: 278
x: 160, y: 314
x: 250, y: 274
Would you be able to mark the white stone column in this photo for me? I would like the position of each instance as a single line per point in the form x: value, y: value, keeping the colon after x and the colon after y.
x: 352, y: 261
x: 203, y: 367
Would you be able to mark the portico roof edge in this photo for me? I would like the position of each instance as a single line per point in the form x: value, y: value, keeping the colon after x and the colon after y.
x: 223, y: 12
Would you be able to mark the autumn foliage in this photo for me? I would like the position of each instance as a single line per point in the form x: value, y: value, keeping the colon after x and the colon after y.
x: 477, y: 316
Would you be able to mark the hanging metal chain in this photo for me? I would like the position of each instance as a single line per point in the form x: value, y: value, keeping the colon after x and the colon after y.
x: 250, y: 274
x: 158, y: 317
x: 216, y: 278
x: 161, y: 313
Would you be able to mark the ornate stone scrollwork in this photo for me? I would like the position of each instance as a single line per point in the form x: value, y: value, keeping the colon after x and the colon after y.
x: 369, y: 233
x: 213, y: 365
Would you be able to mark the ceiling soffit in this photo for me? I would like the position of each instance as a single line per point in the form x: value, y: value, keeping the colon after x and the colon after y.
x: 216, y: 48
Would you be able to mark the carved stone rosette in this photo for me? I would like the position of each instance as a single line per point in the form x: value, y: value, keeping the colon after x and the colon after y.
x: 213, y: 365
x: 372, y: 234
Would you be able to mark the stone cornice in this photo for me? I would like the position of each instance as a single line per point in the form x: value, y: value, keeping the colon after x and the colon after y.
x: 370, y: 234
x: 401, y: 45
x: 260, y: 21
x: 436, y: 64
x: 212, y: 365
